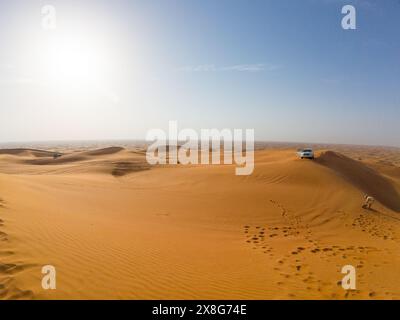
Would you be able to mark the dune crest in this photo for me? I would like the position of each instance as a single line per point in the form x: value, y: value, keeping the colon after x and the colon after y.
x: 363, y: 177
x: 23, y: 152
x: 74, y: 157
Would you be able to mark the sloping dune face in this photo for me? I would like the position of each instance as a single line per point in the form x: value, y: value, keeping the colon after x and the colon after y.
x: 114, y: 160
x: 74, y: 157
x: 115, y: 228
x: 104, y: 151
x: 27, y: 152
x: 366, y: 179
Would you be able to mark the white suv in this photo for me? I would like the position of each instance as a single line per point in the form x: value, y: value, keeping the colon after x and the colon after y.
x: 306, y: 153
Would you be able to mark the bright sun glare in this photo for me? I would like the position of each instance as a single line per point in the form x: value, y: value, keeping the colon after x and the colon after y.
x: 73, y: 60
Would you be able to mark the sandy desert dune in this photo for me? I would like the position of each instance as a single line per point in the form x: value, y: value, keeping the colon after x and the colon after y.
x: 116, y: 228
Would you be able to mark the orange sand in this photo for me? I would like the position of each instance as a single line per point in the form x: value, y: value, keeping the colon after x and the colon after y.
x: 116, y: 229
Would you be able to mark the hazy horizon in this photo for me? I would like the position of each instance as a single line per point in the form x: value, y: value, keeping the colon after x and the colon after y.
x: 100, y: 143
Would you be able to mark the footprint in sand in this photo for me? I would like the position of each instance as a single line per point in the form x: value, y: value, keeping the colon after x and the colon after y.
x: 6, y: 253
x: 12, y: 268
x: 294, y: 227
x: 8, y: 288
x: 380, y: 228
x: 21, y: 294
x: 256, y: 237
x: 3, y: 236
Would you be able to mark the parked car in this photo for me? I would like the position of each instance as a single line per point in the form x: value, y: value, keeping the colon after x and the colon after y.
x: 307, y: 153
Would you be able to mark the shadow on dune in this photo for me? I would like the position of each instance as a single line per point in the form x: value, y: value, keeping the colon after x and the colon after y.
x: 51, y: 161
x: 104, y: 151
x: 74, y: 157
x: 123, y: 168
x: 364, y: 178
x: 27, y: 152
x: 96, y: 161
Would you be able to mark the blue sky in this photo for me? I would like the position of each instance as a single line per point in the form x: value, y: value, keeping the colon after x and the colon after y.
x: 283, y: 67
